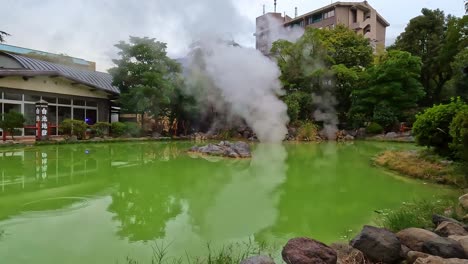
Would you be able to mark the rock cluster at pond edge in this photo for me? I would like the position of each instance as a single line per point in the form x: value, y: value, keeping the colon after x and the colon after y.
x: 238, y: 149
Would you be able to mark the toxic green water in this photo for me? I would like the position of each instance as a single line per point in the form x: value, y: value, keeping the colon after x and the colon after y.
x: 102, y: 203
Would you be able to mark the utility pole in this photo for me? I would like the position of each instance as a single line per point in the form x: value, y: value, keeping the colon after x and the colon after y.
x: 275, y: 6
x: 466, y: 7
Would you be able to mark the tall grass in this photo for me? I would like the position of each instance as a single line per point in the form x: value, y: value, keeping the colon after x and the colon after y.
x: 418, y: 214
x: 308, y: 131
x: 230, y: 254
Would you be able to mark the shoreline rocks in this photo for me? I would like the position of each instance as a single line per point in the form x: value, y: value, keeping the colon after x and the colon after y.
x: 227, y: 149
x: 303, y: 250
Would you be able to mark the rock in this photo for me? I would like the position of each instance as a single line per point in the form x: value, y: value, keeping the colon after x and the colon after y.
x: 224, y: 149
x: 439, y: 260
x: 464, y: 201
x: 258, y: 260
x: 463, y: 240
x: 443, y: 247
x: 415, y: 237
x: 96, y: 139
x: 348, y: 138
x: 304, y: 250
x: 347, y: 254
x: 412, y: 256
x: 404, y: 251
x: 73, y: 139
x: 378, y: 244
x: 391, y: 135
x: 446, y: 229
x: 438, y: 219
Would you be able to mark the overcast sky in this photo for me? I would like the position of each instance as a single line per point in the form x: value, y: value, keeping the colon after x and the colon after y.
x: 88, y: 29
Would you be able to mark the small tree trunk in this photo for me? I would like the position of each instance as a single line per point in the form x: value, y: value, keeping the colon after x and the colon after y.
x: 143, y: 123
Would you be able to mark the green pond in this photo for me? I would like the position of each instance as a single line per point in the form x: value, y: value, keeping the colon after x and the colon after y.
x: 102, y: 203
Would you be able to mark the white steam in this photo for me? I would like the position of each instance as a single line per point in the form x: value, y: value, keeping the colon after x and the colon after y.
x: 243, y: 83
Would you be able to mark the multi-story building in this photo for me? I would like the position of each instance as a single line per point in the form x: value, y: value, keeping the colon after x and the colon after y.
x: 358, y: 16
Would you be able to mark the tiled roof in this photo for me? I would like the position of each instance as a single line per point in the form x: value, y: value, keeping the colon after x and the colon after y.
x: 98, y: 80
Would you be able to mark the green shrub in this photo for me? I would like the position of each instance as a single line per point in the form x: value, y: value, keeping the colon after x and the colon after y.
x: 133, y: 129
x: 11, y: 121
x: 308, y: 131
x: 432, y: 127
x: 374, y: 128
x: 459, y: 133
x: 118, y: 129
x: 101, y: 129
x: 385, y: 116
x: 417, y: 214
x: 70, y: 127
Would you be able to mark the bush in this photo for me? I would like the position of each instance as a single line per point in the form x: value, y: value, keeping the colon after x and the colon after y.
x: 308, y: 131
x: 118, y: 129
x: 385, y: 116
x: 374, y: 128
x: 101, y: 129
x: 417, y: 214
x: 459, y: 133
x: 11, y: 121
x: 432, y: 127
x: 70, y: 127
x: 133, y: 129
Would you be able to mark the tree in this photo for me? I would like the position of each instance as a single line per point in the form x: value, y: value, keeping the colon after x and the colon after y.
x: 318, y: 57
x: 458, y: 85
x: 393, y: 87
x: 436, y: 39
x: 146, y: 76
x: 11, y: 121
x: 3, y: 34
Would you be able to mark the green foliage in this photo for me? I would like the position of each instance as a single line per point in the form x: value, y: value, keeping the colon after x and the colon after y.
x: 11, y: 121
x: 118, y: 129
x: 392, y: 85
x: 431, y: 128
x: 374, y: 128
x: 436, y: 39
x: 146, y: 76
x: 101, y: 129
x: 345, y: 47
x: 385, y: 115
x: 417, y: 214
x: 458, y: 85
x: 70, y: 127
x: 133, y: 129
x: 308, y: 131
x: 459, y: 133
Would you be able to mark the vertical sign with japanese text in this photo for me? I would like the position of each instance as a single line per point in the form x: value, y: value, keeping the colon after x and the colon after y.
x: 42, y: 120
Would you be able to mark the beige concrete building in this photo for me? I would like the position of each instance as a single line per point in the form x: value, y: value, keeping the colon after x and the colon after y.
x: 358, y: 16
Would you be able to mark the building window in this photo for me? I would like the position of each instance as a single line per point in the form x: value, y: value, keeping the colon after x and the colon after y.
x: 78, y: 102
x: 30, y: 114
x: 32, y: 98
x: 354, y: 15
x: 13, y: 96
x: 64, y: 112
x: 91, y: 116
x: 50, y: 100
x: 64, y: 101
x: 79, y: 114
x: 329, y: 14
x: 302, y: 23
x: 317, y: 17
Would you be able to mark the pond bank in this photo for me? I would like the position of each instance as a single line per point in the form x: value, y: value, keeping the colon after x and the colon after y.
x: 422, y: 165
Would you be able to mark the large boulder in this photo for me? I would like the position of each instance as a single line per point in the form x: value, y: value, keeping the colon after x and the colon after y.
x: 446, y: 229
x: 439, y: 260
x: 438, y: 219
x: 225, y: 149
x: 415, y: 237
x: 304, y: 250
x: 412, y: 256
x: 378, y: 244
x: 463, y: 240
x: 443, y: 247
x: 464, y: 201
x: 258, y: 260
x: 347, y: 254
